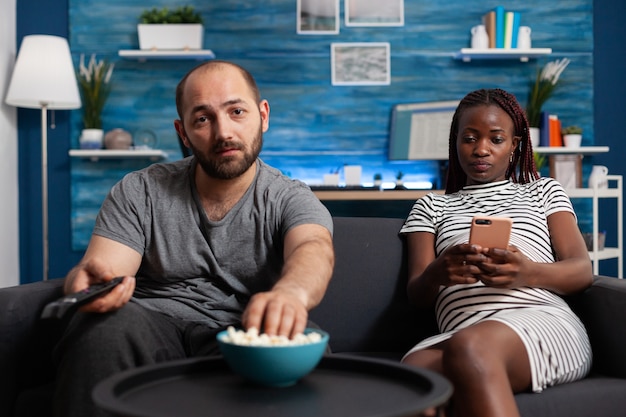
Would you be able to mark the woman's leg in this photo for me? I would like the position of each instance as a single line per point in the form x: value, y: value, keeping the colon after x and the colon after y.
x: 487, y: 363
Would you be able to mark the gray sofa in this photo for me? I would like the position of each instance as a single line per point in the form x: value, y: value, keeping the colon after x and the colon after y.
x: 365, y: 311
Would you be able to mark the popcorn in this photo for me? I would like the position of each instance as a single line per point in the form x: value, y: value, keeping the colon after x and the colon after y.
x: 253, y: 338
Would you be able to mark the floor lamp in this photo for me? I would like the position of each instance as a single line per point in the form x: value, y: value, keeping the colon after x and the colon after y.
x: 44, y: 78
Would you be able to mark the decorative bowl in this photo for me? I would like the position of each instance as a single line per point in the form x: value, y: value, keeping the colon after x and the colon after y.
x: 276, y: 366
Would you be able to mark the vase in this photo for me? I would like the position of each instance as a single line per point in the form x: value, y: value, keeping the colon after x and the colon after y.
x: 91, y: 139
x: 534, y: 133
x: 170, y: 36
x: 118, y: 139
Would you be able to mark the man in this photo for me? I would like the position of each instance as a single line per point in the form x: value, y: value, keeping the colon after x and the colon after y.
x: 213, y: 240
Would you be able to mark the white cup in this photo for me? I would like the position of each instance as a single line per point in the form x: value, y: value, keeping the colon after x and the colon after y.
x: 523, y: 37
x: 352, y: 174
x: 331, y: 179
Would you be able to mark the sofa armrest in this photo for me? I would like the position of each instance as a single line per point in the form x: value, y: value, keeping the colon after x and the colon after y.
x: 601, y: 308
x: 25, y: 341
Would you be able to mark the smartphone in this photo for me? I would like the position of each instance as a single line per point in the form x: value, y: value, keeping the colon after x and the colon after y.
x: 491, y: 232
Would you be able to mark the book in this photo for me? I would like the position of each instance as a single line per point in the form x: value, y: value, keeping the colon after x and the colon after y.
x: 499, y: 11
x: 489, y: 20
x: 544, y: 129
x: 508, y: 29
x: 555, y: 131
x: 517, y: 17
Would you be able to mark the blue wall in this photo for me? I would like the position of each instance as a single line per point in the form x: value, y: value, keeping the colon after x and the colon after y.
x: 334, y: 125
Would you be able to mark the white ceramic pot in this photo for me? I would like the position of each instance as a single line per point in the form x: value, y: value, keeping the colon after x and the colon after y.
x: 91, y: 139
x: 572, y: 140
x: 170, y: 36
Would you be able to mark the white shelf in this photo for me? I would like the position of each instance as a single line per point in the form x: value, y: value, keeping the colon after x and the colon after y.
x: 614, y: 190
x: 143, y: 55
x: 562, y: 150
x: 467, y: 54
x: 96, y: 154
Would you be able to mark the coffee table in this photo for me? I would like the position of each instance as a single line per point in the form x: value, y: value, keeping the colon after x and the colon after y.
x: 341, y: 385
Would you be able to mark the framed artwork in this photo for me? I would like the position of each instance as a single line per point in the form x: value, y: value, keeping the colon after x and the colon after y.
x: 360, y: 63
x: 318, y: 17
x: 567, y: 169
x: 374, y: 12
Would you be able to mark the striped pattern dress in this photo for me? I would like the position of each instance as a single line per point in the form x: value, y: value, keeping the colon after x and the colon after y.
x: 554, y: 337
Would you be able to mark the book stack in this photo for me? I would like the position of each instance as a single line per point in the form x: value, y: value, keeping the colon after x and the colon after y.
x: 550, y: 130
x: 502, y: 27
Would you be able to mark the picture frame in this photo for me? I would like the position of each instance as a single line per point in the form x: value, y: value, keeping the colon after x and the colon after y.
x: 374, y: 12
x: 317, y: 17
x: 567, y: 170
x: 360, y: 63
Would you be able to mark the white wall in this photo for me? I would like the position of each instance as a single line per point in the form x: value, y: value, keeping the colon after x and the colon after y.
x: 9, y: 227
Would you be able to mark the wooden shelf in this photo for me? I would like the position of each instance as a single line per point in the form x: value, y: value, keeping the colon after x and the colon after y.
x: 143, y: 55
x: 467, y: 54
x: 562, y: 150
x: 96, y: 154
x: 373, y: 195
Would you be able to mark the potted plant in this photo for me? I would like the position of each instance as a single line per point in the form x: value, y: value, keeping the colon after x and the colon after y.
x: 94, y: 81
x: 399, y: 182
x: 572, y: 136
x: 180, y: 28
x: 378, y: 180
x: 541, y: 90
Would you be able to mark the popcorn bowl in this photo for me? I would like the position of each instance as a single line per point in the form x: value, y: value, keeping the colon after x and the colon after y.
x: 273, y: 365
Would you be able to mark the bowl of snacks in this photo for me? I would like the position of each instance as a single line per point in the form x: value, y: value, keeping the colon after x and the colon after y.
x: 272, y: 360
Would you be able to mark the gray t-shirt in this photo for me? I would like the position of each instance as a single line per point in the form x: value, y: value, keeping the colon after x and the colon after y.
x: 195, y: 269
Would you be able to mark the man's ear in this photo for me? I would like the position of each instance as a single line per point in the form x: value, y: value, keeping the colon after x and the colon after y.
x: 180, y: 130
x: 264, y: 110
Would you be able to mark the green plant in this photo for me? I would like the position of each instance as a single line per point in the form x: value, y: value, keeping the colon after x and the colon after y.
x: 572, y: 130
x: 542, y: 89
x: 378, y: 177
x: 94, y: 80
x: 183, y: 14
x: 399, y: 175
x: 540, y: 160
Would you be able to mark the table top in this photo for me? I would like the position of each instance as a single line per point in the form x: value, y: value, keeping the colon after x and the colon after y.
x: 341, y: 385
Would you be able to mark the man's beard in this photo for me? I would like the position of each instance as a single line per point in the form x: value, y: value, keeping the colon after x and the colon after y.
x: 227, y: 168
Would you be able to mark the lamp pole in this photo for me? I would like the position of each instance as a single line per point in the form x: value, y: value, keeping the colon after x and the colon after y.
x: 44, y: 188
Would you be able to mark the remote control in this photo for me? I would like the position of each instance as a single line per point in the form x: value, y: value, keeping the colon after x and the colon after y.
x: 59, y: 308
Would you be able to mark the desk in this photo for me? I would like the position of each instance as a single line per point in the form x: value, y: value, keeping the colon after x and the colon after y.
x: 372, y: 195
x: 370, y: 202
x: 341, y: 386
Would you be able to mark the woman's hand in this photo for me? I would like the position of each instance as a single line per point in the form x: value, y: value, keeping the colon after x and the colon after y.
x: 460, y: 264
x: 502, y: 268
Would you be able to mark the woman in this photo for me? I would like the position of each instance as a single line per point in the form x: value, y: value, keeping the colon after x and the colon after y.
x: 504, y: 327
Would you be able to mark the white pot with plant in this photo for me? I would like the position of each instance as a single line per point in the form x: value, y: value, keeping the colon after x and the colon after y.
x: 542, y: 88
x: 164, y: 29
x: 572, y: 136
x: 399, y: 181
x: 94, y: 81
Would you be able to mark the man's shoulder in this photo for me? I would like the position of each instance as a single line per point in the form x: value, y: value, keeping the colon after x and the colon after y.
x: 274, y: 178
x: 162, y: 172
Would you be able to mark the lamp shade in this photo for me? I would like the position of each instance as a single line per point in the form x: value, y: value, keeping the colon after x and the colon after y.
x: 44, y: 75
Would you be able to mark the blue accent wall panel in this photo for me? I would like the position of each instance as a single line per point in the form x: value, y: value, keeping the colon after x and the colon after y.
x: 315, y: 127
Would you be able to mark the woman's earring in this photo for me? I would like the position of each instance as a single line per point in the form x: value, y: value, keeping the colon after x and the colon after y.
x: 511, y: 158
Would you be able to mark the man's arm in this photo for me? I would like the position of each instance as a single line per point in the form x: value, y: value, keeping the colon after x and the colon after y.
x: 309, y: 261
x: 105, y: 259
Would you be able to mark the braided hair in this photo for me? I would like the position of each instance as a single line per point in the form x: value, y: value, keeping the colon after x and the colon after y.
x: 522, y: 162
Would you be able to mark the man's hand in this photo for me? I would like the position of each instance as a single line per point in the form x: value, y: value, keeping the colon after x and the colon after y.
x: 276, y: 312
x: 93, y: 272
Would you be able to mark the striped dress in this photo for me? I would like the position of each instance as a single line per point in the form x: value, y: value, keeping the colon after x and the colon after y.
x: 554, y: 337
